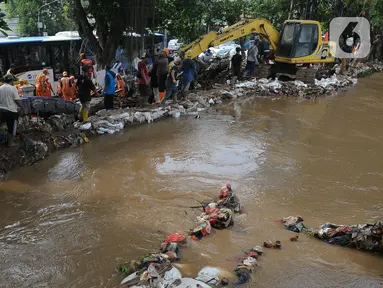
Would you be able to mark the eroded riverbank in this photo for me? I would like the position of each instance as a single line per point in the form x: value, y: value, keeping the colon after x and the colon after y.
x: 69, y: 220
x: 39, y: 138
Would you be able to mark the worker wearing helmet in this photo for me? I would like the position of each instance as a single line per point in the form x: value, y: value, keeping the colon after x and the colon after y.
x: 64, y: 87
x: 189, y: 72
x: 43, y: 87
x: 88, y: 62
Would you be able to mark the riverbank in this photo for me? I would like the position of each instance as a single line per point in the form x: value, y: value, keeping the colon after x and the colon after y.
x: 38, y: 137
x: 81, y: 212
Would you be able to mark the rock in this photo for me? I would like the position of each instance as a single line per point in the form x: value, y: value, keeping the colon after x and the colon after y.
x: 36, y: 149
x: 193, y: 97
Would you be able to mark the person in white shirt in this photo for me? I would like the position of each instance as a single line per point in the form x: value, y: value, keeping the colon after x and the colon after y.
x: 9, y: 102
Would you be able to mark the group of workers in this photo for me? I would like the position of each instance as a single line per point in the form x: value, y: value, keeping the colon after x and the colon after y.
x: 156, y: 85
x: 162, y: 81
x: 258, y: 51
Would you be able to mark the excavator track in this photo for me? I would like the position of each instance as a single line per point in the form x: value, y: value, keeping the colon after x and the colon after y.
x: 306, y: 74
x: 263, y: 71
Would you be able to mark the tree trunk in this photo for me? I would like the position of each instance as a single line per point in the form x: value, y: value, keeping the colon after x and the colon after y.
x: 85, y: 29
x: 291, y: 9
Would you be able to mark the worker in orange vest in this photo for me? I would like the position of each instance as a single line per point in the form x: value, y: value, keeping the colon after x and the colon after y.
x: 43, y: 87
x: 19, y: 86
x: 88, y: 62
x: 64, y: 88
x: 121, y: 87
x: 72, y: 80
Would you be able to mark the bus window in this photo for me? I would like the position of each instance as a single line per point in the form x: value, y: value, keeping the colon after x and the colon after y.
x: 58, y: 61
x: 39, y: 57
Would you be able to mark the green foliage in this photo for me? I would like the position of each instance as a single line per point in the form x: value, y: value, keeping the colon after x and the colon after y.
x: 3, y: 25
x: 274, y: 11
x: 53, y: 16
x: 377, y: 13
x: 190, y: 19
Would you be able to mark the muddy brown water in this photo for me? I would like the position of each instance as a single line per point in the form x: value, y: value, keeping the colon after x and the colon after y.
x: 69, y: 220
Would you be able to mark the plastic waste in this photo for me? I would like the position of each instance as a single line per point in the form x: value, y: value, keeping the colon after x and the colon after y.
x: 246, y: 84
x: 258, y: 249
x: 275, y: 84
x: 171, y: 275
x: 86, y: 126
x: 211, y: 101
x: 176, y: 114
x: 208, y: 275
x: 300, y: 84
x: 325, y: 82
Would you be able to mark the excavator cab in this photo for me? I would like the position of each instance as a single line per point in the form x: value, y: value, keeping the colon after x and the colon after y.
x: 301, y: 43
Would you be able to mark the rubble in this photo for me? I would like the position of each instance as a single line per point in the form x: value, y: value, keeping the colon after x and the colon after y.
x: 362, y: 69
x: 364, y: 237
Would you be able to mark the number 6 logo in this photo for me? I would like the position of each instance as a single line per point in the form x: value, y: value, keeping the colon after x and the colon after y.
x: 348, y: 32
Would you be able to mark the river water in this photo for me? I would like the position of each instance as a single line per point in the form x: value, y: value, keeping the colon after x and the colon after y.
x: 69, y: 220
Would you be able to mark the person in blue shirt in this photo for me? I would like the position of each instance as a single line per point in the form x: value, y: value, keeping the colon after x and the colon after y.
x: 109, y: 88
x: 189, y: 73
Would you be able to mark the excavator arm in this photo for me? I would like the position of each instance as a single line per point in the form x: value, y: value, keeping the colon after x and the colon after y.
x: 236, y: 31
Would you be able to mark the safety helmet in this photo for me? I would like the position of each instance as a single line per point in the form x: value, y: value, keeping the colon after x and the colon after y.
x: 188, y: 54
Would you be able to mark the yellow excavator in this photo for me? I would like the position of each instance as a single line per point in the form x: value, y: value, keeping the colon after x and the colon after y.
x: 299, y: 45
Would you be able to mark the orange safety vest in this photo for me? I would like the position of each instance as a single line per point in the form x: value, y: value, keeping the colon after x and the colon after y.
x: 18, y: 86
x: 88, y: 62
x: 120, y: 86
x: 64, y: 89
x: 48, y: 90
x: 40, y: 84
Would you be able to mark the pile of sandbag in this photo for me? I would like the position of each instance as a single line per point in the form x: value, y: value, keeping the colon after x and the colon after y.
x: 365, y: 237
x: 109, y: 122
x: 155, y: 269
x: 274, y: 87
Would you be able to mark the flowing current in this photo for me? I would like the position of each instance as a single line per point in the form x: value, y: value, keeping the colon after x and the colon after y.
x: 69, y: 220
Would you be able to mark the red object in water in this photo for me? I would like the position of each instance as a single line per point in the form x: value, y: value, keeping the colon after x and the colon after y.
x: 252, y: 254
x: 295, y: 238
x: 176, y: 238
